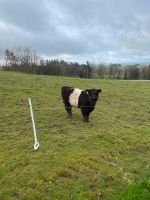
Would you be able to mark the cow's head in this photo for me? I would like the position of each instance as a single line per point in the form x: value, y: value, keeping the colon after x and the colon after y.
x: 93, y: 93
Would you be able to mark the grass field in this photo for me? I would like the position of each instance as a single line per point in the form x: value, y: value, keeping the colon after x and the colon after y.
x: 76, y: 160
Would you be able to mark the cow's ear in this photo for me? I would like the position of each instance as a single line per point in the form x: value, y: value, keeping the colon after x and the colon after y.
x: 99, y: 90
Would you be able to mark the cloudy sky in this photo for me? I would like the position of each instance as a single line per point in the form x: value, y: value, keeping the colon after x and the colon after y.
x: 79, y: 30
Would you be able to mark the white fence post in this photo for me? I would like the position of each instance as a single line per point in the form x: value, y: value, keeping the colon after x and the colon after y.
x: 36, y: 144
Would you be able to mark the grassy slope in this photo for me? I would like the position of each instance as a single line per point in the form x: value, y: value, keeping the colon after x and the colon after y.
x: 75, y: 160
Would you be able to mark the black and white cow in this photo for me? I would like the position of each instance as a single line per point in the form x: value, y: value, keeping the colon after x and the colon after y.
x: 83, y: 99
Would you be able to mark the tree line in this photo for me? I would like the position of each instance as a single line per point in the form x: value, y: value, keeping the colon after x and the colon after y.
x: 24, y: 59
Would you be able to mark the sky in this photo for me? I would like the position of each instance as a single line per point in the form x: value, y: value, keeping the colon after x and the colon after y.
x: 110, y: 31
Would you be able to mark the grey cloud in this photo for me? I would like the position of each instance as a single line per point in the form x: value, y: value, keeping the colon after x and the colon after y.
x: 28, y: 15
x: 81, y: 29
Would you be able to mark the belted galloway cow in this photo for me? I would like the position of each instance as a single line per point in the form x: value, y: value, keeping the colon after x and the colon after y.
x: 82, y: 99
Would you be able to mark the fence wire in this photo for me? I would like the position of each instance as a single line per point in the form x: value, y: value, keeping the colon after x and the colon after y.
x: 24, y: 111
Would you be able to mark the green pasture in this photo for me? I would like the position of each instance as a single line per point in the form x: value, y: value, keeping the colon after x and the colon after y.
x: 76, y: 160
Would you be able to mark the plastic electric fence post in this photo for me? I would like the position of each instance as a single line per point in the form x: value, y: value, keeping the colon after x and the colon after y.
x: 36, y: 144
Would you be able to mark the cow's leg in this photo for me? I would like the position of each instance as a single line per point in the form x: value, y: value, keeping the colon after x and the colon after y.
x: 86, y: 117
x: 85, y: 114
x: 68, y: 108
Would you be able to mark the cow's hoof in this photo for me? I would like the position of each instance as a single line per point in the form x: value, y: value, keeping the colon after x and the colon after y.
x: 85, y: 120
x: 69, y: 117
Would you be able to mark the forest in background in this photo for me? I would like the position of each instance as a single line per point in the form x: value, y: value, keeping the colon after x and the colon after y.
x: 24, y: 59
